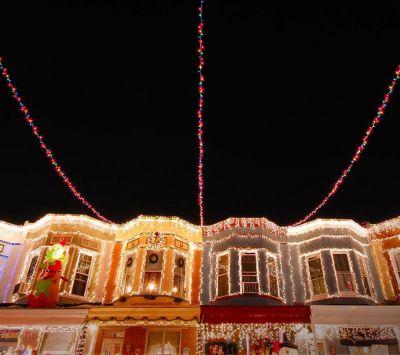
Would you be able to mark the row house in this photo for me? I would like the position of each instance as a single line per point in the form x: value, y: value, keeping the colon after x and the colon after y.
x: 125, y: 289
x: 160, y: 285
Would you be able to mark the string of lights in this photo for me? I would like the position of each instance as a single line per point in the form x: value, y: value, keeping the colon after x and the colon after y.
x: 49, y: 154
x: 375, y: 121
x: 200, y: 124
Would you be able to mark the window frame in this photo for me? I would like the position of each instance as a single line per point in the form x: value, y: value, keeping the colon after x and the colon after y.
x: 164, y: 331
x: 131, y: 253
x: 185, y: 275
x: 350, y: 293
x: 218, y: 256
x: 248, y: 251
x: 314, y: 296
x: 89, y: 276
x: 143, y: 289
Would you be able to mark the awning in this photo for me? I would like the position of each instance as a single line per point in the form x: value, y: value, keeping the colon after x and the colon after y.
x: 367, y: 336
x: 255, y: 314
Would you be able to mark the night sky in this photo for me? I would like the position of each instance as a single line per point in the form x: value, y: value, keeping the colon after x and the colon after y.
x: 289, y: 94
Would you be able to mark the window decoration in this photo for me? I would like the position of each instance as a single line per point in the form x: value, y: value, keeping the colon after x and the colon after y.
x: 316, y: 274
x: 82, y: 273
x: 178, y: 285
x: 272, y: 277
x: 249, y: 279
x: 153, y: 272
x: 223, y: 275
x: 156, y: 240
x: 343, y: 272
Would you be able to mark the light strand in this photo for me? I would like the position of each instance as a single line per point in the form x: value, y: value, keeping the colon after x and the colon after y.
x: 49, y: 154
x: 376, y: 120
x: 200, y: 125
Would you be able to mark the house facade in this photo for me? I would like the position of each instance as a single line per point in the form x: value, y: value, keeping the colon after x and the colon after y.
x: 160, y: 285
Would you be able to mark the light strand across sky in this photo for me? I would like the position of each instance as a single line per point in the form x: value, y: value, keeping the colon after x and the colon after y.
x: 345, y: 173
x: 49, y: 154
x: 200, y: 124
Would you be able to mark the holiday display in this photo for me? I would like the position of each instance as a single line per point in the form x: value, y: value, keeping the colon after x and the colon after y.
x: 47, y: 285
x: 375, y: 121
x: 200, y: 124
x: 49, y: 153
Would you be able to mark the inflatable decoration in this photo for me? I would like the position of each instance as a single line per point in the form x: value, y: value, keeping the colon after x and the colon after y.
x: 48, y: 281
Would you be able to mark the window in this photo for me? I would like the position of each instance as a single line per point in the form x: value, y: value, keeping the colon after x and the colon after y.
x: 128, y: 274
x: 58, y: 343
x: 153, y: 272
x: 223, y: 275
x: 316, y: 275
x: 32, y: 269
x: 343, y: 272
x: 249, y: 272
x: 396, y: 265
x: 272, y: 277
x: 82, y: 275
x: 163, y: 343
x: 178, y: 285
x: 364, y: 275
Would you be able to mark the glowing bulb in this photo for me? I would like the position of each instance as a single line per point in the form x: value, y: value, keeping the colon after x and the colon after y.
x: 152, y: 286
x: 129, y: 289
x: 174, y: 289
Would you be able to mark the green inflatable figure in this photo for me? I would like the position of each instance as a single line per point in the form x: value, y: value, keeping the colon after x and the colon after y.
x: 47, y: 284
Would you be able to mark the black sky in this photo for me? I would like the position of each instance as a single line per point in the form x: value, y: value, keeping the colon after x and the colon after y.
x: 289, y: 93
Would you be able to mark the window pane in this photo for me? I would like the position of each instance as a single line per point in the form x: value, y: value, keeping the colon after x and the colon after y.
x: 344, y: 281
x: 81, y: 275
x: 58, y: 343
x: 249, y: 263
x: 32, y: 268
x: 171, y: 343
x: 273, y: 285
x: 271, y: 266
x: 223, y: 287
x: 316, y: 275
x: 223, y: 262
x: 154, y: 260
x: 152, y: 282
x: 155, y: 343
x: 341, y: 262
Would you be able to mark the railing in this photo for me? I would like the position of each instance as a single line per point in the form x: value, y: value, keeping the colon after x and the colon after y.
x: 250, y: 287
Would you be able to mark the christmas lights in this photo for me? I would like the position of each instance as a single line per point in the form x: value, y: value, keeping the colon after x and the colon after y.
x: 376, y: 120
x: 200, y: 124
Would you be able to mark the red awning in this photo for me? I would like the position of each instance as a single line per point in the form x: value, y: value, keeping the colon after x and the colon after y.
x: 255, y: 314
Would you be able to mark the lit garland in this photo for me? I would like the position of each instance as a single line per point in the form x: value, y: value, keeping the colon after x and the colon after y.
x: 200, y: 124
x: 49, y: 154
x: 376, y: 120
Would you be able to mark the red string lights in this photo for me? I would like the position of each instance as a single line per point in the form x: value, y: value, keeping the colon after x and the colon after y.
x: 376, y: 120
x: 49, y: 154
x: 200, y: 124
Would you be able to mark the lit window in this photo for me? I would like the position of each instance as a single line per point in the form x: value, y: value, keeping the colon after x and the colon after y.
x: 223, y: 275
x: 178, y: 285
x: 128, y: 274
x: 396, y: 265
x: 272, y: 277
x: 163, y: 343
x: 249, y: 273
x: 343, y: 272
x: 316, y: 275
x: 82, y: 275
x: 364, y: 275
x: 32, y: 269
x: 153, y: 272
